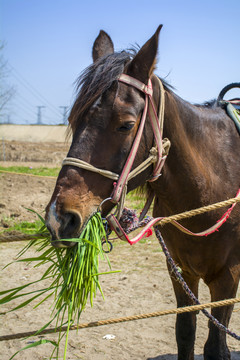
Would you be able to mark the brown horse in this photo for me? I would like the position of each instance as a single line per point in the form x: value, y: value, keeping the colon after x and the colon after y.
x: 202, y: 167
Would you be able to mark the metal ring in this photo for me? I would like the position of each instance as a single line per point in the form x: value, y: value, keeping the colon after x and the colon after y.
x: 110, y: 246
x: 105, y: 200
x: 100, y: 205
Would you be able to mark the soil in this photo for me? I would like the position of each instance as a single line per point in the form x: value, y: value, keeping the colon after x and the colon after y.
x: 142, y: 286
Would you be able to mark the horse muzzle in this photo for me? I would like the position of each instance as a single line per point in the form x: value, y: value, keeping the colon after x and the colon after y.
x: 63, y: 227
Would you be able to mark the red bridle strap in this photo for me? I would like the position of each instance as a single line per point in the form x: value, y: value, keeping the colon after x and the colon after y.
x: 155, y: 155
x: 150, y: 109
x: 115, y: 225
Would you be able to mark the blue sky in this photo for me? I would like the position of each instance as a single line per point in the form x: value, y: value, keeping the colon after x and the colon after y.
x: 49, y: 42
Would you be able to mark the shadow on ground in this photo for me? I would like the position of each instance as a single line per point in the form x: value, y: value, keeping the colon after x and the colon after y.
x: 235, y: 355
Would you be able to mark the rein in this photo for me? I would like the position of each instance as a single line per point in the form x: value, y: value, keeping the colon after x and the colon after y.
x: 123, y: 227
x: 157, y: 154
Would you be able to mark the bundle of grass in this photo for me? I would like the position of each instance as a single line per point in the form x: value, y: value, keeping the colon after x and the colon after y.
x: 73, y: 273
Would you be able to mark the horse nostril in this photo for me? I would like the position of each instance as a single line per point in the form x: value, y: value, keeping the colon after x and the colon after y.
x: 72, y: 223
x: 64, y: 226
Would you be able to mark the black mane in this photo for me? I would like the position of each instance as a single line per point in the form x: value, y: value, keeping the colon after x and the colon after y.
x: 208, y: 104
x: 98, y: 78
x: 95, y: 80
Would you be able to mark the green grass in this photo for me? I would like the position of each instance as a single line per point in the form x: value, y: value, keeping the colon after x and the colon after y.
x: 134, y: 200
x: 74, y: 272
x: 74, y: 278
x: 41, y: 171
x: 25, y: 227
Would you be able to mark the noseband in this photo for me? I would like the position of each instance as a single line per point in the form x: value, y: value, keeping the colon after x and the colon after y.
x: 157, y: 154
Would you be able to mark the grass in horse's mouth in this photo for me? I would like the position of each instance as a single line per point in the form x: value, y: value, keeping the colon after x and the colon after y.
x: 68, y: 243
x: 73, y: 273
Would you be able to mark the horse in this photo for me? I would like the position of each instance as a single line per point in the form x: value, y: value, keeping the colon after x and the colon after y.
x: 202, y: 167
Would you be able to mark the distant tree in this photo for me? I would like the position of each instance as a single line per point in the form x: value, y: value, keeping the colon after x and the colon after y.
x: 6, y: 91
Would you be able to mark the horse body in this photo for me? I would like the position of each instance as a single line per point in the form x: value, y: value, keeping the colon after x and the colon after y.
x: 202, y: 168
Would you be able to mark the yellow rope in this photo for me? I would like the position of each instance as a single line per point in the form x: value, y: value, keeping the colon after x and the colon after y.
x: 4, y: 238
x: 166, y: 220
x: 125, y: 319
x: 198, y: 211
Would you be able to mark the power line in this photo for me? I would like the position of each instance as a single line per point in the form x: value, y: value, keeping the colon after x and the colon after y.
x: 32, y: 90
x: 22, y: 100
x: 52, y: 119
x: 23, y: 104
x: 26, y: 112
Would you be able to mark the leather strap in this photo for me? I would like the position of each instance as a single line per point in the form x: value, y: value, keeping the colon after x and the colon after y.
x: 157, y: 155
x: 146, y: 89
x: 150, y: 108
x: 115, y: 226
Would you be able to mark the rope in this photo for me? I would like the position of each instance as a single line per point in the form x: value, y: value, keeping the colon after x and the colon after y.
x: 111, y: 175
x: 161, y: 109
x: 20, y: 237
x: 86, y: 166
x: 123, y: 319
x: 198, y: 211
x: 188, y: 290
x: 166, y: 220
x: 26, y: 174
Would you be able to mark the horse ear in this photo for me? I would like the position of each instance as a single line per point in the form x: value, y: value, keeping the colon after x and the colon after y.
x: 102, y: 46
x: 142, y: 66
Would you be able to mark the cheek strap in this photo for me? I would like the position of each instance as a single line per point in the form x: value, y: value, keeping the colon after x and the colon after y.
x: 157, y: 155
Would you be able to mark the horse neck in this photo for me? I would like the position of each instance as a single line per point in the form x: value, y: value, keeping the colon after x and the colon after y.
x: 185, y: 179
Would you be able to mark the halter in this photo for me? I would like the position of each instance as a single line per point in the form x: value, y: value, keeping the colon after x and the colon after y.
x: 157, y: 155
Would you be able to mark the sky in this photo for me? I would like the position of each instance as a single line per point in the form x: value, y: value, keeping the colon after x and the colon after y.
x: 48, y: 43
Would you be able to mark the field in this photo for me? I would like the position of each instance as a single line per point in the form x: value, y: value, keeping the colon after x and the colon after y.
x: 142, y: 286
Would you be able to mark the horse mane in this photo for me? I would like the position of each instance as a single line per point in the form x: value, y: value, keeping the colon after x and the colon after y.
x: 208, y: 104
x: 95, y: 80
x: 98, y: 78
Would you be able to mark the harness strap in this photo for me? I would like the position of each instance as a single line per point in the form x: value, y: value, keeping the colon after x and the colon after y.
x: 232, y: 108
x: 114, y: 176
x: 157, y: 155
x: 155, y: 122
x: 234, y: 114
x: 118, y: 229
x: 117, y: 191
x: 127, y: 79
x: 84, y: 165
x: 157, y: 125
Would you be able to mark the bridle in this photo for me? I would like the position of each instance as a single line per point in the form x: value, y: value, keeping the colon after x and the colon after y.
x: 157, y: 155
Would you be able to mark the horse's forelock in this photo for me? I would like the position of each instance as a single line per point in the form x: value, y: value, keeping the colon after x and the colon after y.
x: 94, y: 81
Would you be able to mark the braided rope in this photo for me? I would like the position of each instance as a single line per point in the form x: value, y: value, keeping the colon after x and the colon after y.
x: 20, y: 237
x: 199, y: 211
x: 191, y: 308
x: 10, y: 238
x: 187, y: 289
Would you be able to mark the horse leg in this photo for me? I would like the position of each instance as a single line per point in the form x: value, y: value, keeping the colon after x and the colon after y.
x: 224, y: 286
x: 186, y: 322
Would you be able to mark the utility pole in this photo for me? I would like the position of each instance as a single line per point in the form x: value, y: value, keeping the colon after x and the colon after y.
x: 64, y: 114
x: 39, y: 114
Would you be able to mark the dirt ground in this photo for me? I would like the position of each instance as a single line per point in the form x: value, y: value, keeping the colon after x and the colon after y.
x: 142, y: 286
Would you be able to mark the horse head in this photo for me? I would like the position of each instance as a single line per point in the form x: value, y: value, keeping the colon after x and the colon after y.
x: 104, y: 121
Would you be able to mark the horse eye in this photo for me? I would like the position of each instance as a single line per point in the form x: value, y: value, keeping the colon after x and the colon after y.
x: 126, y: 127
